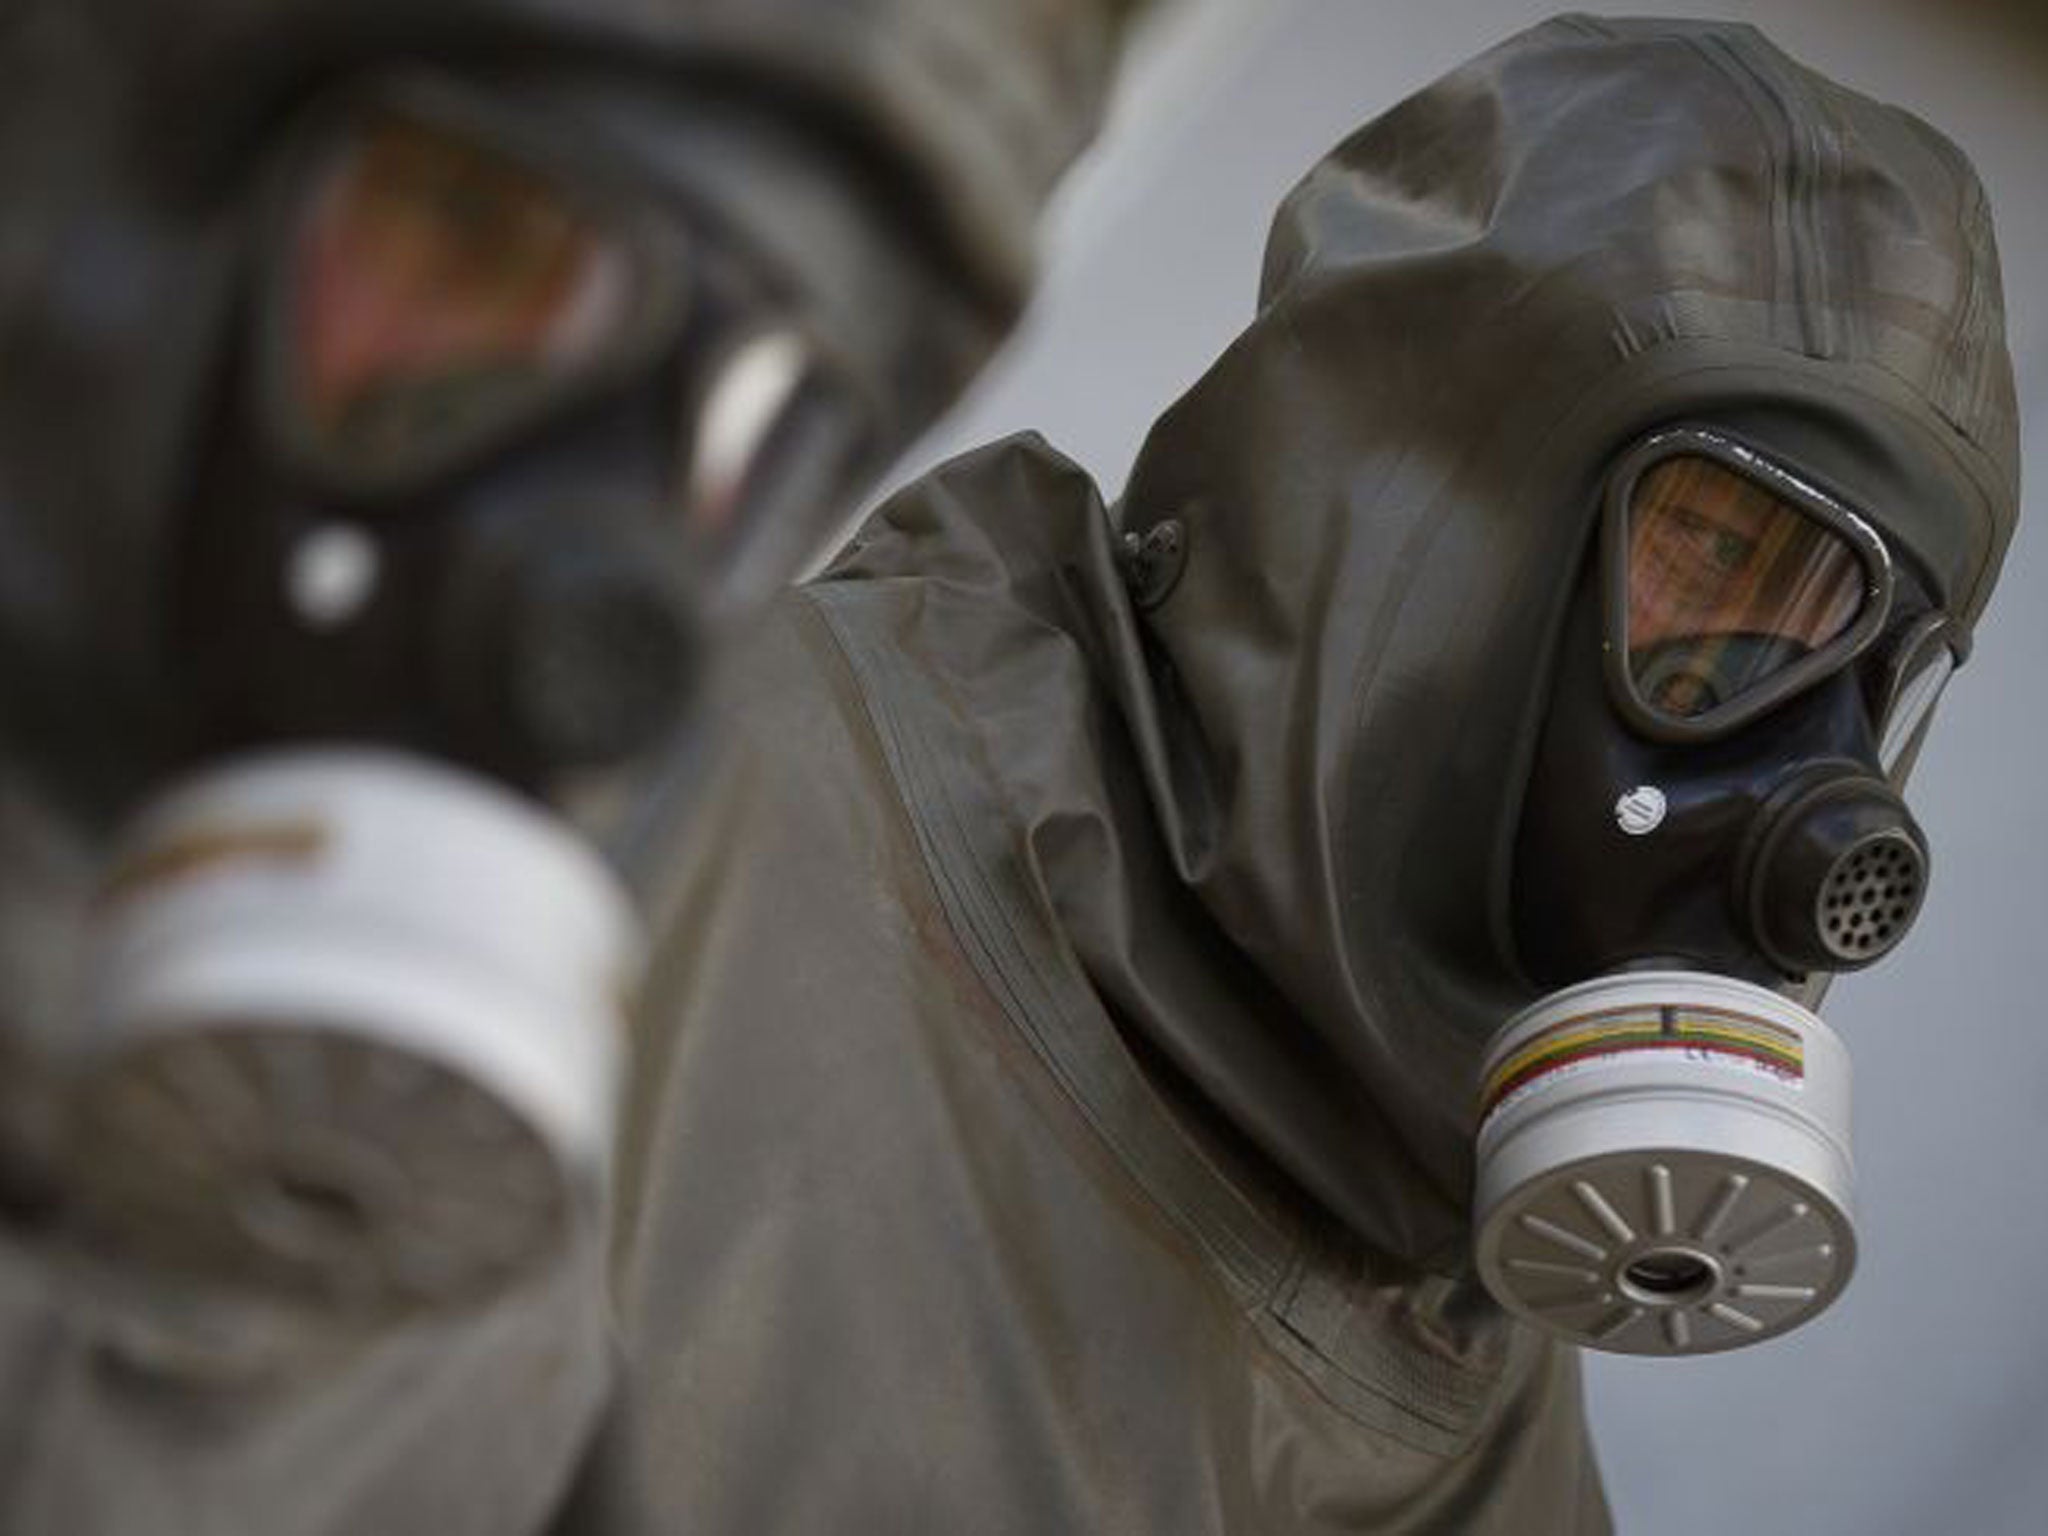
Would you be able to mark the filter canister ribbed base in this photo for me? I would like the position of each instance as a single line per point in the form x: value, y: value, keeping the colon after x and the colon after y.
x: 1663, y: 1164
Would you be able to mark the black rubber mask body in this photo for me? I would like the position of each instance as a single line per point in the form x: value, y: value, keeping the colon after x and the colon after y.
x: 1769, y: 853
x: 524, y: 620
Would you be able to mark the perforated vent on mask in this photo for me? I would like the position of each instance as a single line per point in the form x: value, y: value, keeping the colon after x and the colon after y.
x: 1835, y: 874
x: 1870, y: 897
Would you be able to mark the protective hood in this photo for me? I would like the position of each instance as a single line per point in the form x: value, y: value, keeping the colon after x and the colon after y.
x: 1328, y: 677
x: 975, y: 109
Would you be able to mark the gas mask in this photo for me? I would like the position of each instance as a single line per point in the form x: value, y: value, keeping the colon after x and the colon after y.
x: 508, y: 424
x: 1713, y: 826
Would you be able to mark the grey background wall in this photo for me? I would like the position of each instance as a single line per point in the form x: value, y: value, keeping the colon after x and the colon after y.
x: 1920, y: 1403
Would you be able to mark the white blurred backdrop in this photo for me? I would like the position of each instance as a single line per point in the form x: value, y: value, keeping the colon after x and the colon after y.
x: 1919, y: 1404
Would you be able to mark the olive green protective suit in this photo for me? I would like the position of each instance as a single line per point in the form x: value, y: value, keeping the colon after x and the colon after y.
x: 1054, y: 1110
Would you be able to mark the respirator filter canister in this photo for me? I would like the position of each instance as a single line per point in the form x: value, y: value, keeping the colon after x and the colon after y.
x: 353, y: 1036
x: 1663, y: 1164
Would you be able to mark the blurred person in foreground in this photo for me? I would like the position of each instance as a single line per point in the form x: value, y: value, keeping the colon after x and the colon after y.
x: 401, y: 401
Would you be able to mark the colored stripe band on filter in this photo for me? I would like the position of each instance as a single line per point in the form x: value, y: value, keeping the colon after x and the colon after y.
x: 1706, y: 1033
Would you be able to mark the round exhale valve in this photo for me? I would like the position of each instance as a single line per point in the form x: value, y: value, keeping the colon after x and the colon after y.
x: 1836, y: 876
x: 1870, y: 897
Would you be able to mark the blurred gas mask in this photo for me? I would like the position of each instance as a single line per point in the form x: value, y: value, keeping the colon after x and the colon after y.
x: 508, y: 431
x: 1713, y: 827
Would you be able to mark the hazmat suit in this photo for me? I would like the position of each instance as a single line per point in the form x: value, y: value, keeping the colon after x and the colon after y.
x: 1055, y: 1110
x: 402, y: 398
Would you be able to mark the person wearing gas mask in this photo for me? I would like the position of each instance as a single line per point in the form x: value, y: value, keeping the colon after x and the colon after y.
x: 1112, y: 927
x: 399, y: 400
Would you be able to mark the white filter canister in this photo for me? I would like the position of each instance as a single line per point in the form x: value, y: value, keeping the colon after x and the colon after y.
x: 1663, y: 1164
x: 354, y: 1034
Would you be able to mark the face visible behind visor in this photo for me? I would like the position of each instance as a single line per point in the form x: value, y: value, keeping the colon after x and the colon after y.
x: 433, y: 285
x: 1733, y: 586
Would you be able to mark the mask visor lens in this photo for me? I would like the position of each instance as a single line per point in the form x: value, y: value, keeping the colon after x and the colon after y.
x: 436, y: 286
x: 1729, y: 585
